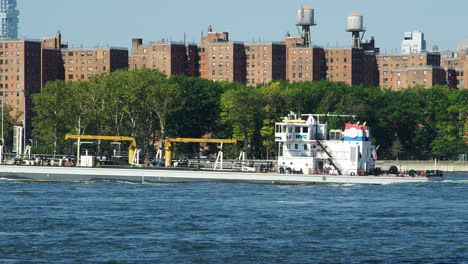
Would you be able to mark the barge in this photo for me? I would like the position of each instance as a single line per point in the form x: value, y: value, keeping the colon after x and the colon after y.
x: 166, y: 175
x: 308, y: 153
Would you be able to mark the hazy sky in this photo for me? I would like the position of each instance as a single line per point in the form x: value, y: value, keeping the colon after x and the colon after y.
x: 89, y: 23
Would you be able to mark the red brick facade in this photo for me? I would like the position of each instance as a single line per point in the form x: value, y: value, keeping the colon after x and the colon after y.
x: 218, y: 58
x: 458, y: 62
x: 82, y: 64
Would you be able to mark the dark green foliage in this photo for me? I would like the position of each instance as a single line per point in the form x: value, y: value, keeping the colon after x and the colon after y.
x: 411, y: 123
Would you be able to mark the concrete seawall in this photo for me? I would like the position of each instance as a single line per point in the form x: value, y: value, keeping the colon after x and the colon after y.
x: 404, y: 165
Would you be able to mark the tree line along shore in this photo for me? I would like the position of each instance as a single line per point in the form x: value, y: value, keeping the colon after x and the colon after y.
x: 414, y: 123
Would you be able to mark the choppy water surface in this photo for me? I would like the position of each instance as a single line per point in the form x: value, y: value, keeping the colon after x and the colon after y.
x: 234, y: 223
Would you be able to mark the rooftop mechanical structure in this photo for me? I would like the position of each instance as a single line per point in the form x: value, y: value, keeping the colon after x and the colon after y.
x: 355, y: 26
x: 305, y: 20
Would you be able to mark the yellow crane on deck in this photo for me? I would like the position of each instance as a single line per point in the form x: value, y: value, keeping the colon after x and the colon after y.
x: 131, y: 148
x: 169, y: 141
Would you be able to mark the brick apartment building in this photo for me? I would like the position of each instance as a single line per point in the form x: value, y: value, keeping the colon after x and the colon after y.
x: 222, y: 59
x: 25, y: 66
x: 83, y: 63
x: 305, y: 64
x: 215, y: 58
x: 20, y: 69
x: 354, y: 66
x: 219, y: 59
x: 265, y: 62
x: 296, y: 59
x: 458, y: 62
x: 168, y: 57
x: 346, y: 65
x: 400, y: 71
x: 52, y: 61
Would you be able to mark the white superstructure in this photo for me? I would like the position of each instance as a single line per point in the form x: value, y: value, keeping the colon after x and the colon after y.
x: 413, y: 42
x: 304, y: 147
x: 9, y: 19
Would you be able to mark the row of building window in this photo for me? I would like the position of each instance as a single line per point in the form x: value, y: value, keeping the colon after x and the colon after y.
x: 300, y: 75
x: 385, y: 73
x: 265, y: 56
x: 10, y: 102
x: 220, y: 56
x: 385, y: 66
x: 18, y: 69
x: 300, y: 52
x: 300, y: 60
x: 254, y: 48
x: 338, y: 60
x: 300, y: 67
x: 90, y: 69
x: 454, y: 63
x: 221, y: 79
x: 252, y: 73
x: 336, y: 51
x: 252, y: 81
x: 220, y: 72
x: 331, y: 76
x: 6, y: 86
x: 82, y: 76
x: 154, y: 48
x: 296, y: 146
x: 6, y: 53
x: 404, y: 58
x: 89, y: 61
x: 6, y: 77
x: 81, y: 53
x: 11, y: 61
x: 220, y: 48
x: 220, y: 64
x: 12, y: 94
x: 5, y: 45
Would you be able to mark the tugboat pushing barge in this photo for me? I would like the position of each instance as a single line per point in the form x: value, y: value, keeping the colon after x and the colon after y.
x: 304, y: 148
x: 306, y: 155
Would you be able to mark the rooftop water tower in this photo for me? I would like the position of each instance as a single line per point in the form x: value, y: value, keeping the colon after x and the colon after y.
x: 355, y: 26
x: 305, y: 19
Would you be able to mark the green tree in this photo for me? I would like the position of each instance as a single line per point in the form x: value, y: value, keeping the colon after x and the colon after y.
x: 50, y: 120
x: 274, y: 98
x: 242, y: 110
x: 450, y: 129
x: 164, y: 98
x: 9, y: 121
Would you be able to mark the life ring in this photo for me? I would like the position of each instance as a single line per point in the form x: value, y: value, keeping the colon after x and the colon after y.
x: 352, y: 174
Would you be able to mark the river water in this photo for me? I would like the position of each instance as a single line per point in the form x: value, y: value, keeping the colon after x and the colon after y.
x: 111, y: 222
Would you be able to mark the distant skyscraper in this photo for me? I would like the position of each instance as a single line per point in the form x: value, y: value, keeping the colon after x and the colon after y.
x: 414, y: 42
x: 9, y: 19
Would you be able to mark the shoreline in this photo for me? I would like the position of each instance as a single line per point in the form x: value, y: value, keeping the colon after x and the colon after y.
x: 454, y: 167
